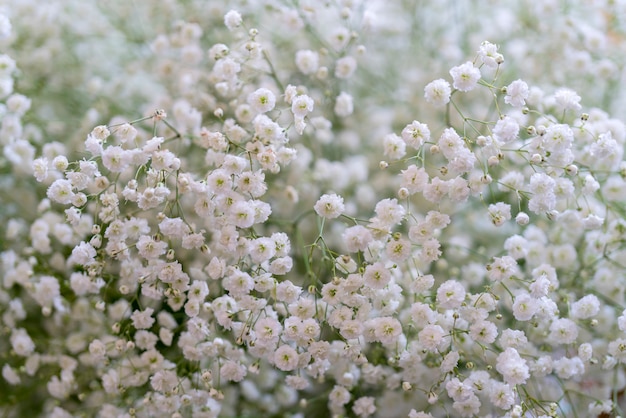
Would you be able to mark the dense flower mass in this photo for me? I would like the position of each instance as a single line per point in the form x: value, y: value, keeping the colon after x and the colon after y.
x: 273, y: 208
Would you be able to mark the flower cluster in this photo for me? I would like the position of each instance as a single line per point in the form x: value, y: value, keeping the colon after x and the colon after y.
x: 249, y: 221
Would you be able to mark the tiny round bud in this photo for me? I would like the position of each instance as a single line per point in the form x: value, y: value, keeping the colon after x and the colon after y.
x: 481, y: 141
x: 253, y: 32
x: 96, y: 241
x: 159, y: 114
x: 552, y: 214
x: 584, y: 117
x: 536, y: 159
x: 531, y: 130
x: 100, y: 305
x: 486, y: 179
x: 541, y: 130
x: 525, y: 110
x: 403, y: 193
x: 383, y: 165
x: 493, y: 160
x: 322, y: 73
x: 434, y: 149
x: 571, y: 170
x: 522, y: 218
x: 406, y: 386
x: 219, y: 112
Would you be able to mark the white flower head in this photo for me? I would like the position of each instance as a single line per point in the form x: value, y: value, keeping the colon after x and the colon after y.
x: 232, y: 20
x: 516, y: 93
x: 307, y: 61
x: 489, y: 55
x: 438, y: 92
x: 329, y: 206
x: 465, y: 76
x: 262, y: 100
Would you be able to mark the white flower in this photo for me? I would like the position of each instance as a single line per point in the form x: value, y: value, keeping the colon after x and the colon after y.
x: 387, y: 330
x: 40, y: 168
x: 345, y: 67
x: 98, y: 350
x: 307, y: 61
x: 431, y: 337
x: 262, y: 100
x: 394, y: 147
x: 558, y: 138
x: 516, y: 93
x: 389, y: 211
x: 524, y: 307
x: 438, y: 92
x: 61, y: 191
x: 414, y: 178
x: 501, y: 395
x: 465, y: 76
x: 302, y: 105
x: 233, y: 371
x: 149, y: 248
x: 232, y: 20
x: 364, y: 406
x: 5, y: 27
x: 617, y: 349
x: 499, y: 213
x: 142, y: 319
x: 506, y: 130
x: 10, y: 375
x: 586, y: 307
x: 484, y: 332
x: 21, y: 342
x: 286, y: 358
x: 357, y: 238
x: 84, y: 254
x: 343, y: 105
x: 563, y: 331
x: 329, y: 206
x: 450, y: 294
x: 512, y: 367
x: 567, y: 99
x: 115, y: 159
x: 415, y: 134
x: 126, y: 133
x: 489, y: 55
x: 376, y: 276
